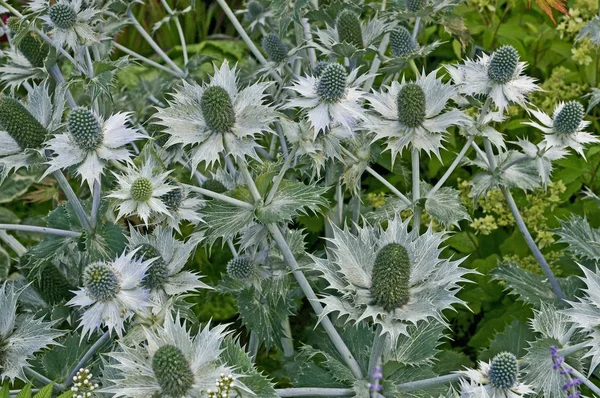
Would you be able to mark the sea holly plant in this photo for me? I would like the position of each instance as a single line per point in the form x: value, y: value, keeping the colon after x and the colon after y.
x: 289, y: 177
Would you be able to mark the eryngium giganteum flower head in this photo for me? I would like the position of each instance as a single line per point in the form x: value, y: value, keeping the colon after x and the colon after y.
x: 391, y: 277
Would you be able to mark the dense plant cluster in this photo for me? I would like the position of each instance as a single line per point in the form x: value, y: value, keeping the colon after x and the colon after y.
x: 355, y: 198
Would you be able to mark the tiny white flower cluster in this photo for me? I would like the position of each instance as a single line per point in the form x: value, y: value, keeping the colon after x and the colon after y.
x: 82, y: 384
x: 223, y: 385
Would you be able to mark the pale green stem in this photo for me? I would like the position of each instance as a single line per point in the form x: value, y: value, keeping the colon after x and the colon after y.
x: 416, y: 189
x: 148, y: 61
x: 355, y: 210
x: 13, y: 243
x: 312, y: 55
x: 377, y: 60
x: 56, y: 74
x: 96, y: 199
x: 221, y: 197
x: 416, y: 27
x: 287, y: 342
x: 250, y: 182
x: 339, y: 207
x: 514, y: 162
x: 572, y: 349
x: 152, y: 43
x: 42, y: 230
x: 315, y: 392
x: 279, y: 177
x: 240, y: 29
x: 480, y: 153
x: 253, y: 346
x: 86, y: 357
x: 73, y: 200
x: 453, y: 166
x: 179, y: 31
x: 60, y: 50
x: 232, y: 248
x: 426, y: 383
x: 43, y: 379
x: 11, y: 9
x: 565, y: 339
x: 379, y: 342
x: 585, y: 380
x: 414, y: 68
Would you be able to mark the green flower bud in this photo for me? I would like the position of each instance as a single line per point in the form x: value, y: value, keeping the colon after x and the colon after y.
x: 239, y: 268
x: 63, y: 15
x: 274, y: 47
x: 20, y: 124
x: 318, y: 69
x: 332, y: 86
x: 415, y: 5
x: 34, y: 50
x: 569, y: 118
x: 53, y: 286
x: 411, y: 105
x: 503, y: 64
x: 158, y: 272
x: 214, y: 185
x: 85, y: 129
x: 14, y: 25
x: 391, y: 277
x: 504, y: 371
x: 217, y: 109
x: 348, y: 28
x: 402, y: 42
x: 173, y: 198
x: 101, y: 282
x: 172, y: 371
x: 255, y: 9
x: 141, y: 189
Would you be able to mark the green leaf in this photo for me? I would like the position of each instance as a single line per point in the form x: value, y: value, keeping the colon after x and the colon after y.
x: 66, y: 394
x: 25, y: 392
x: 421, y: 346
x: 446, y: 207
x: 451, y: 361
x: 15, y: 186
x: 8, y: 217
x: 4, y: 264
x: 398, y: 373
x: 59, y: 361
x: 224, y: 220
x: 513, y: 339
x: 583, y: 240
x: 291, y: 200
x: 286, y: 11
x: 107, y: 242
x: 317, y: 368
x: 5, y: 392
x: 45, y: 392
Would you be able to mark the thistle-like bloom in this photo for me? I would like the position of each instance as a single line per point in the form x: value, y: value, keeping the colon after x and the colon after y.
x: 565, y: 128
x: 165, y: 276
x: 543, y: 156
x: 217, y: 118
x: 112, y: 293
x: 499, y: 76
x: 71, y: 21
x: 140, y: 192
x: 404, y: 47
x: 20, y: 340
x: 171, y: 364
x: 91, y: 143
x: 256, y: 13
x: 27, y: 61
x: 393, y: 277
x: 498, y: 378
x: 182, y: 206
x: 413, y: 113
x: 330, y: 98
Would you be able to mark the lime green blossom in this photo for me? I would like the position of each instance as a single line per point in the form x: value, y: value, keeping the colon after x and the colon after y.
x: 582, y: 52
x: 484, y: 225
x: 557, y: 88
x: 529, y: 263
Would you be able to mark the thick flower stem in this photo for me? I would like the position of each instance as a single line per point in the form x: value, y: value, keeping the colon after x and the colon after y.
x: 56, y: 74
x: 426, y: 383
x: 179, y: 31
x: 452, y: 167
x: 375, y: 359
x: 221, y: 197
x: 572, y: 349
x: 147, y: 60
x: 253, y: 346
x: 279, y: 178
x: 416, y: 28
x: 594, y: 388
x: 13, y: 243
x: 42, y: 230
x: 73, y: 200
x: 96, y: 199
x: 43, y: 379
x: 416, y: 189
x: 11, y: 9
x: 60, y: 50
x: 86, y: 357
x: 565, y: 339
x: 287, y: 342
x: 315, y: 392
x: 312, y: 55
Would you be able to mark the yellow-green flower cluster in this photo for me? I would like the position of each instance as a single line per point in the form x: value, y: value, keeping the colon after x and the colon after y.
x: 376, y: 199
x: 556, y: 89
x: 541, y: 202
x: 582, y: 51
x: 529, y: 263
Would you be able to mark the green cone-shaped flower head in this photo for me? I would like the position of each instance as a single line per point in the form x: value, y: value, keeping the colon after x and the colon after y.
x: 52, y: 285
x: 158, y: 273
x: 217, y: 109
x: 85, y: 129
x: 34, y: 50
x: 255, y: 8
x: 411, y: 105
x: 348, y: 28
x: 568, y: 119
x: 239, y: 268
x: 504, y: 371
x: 415, y: 5
x: 16, y: 120
x: 172, y: 371
x: 274, y: 47
x: 214, y: 185
x: 318, y: 69
x: 14, y: 25
x: 332, y: 86
x: 503, y: 64
x: 141, y: 189
x: 390, y: 278
x: 173, y: 198
x: 63, y: 15
x: 402, y: 42
x: 101, y: 282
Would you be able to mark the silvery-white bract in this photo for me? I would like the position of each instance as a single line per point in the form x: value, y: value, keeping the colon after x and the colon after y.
x: 361, y: 36
x: 20, y: 337
x: 431, y: 282
x: 90, y: 143
x: 413, y: 113
x: 182, y: 205
x: 111, y: 294
x: 17, y: 70
x: 140, y: 191
x: 542, y: 155
x: 217, y: 118
x: 172, y: 363
x: 477, y: 383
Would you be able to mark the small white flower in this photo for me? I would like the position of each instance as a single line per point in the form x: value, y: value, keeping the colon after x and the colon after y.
x: 413, y: 113
x: 171, y: 364
x: 498, y: 76
x: 332, y: 98
x: 20, y: 340
x: 112, y: 293
x: 217, y: 118
x: 165, y: 276
x: 565, y: 128
x: 91, y: 143
x: 140, y: 191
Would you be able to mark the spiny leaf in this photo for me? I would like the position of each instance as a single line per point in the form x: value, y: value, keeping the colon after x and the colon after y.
x: 291, y: 200
x: 446, y: 207
x: 514, y: 339
x: 45, y: 392
x: 224, y: 220
x: 25, y: 392
x: 583, y: 240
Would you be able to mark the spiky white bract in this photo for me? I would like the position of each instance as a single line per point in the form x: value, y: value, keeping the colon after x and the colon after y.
x: 141, y: 374
x: 112, y: 293
x: 183, y: 206
x: 370, y: 32
x: 217, y: 118
x: 476, y: 384
x: 139, y: 191
x: 575, y: 139
x: 324, y: 115
x: 73, y: 25
x: 17, y: 70
x: 90, y: 162
x: 472, y: 78
x: 348, y: 269
x: 427, y: 133
x: 543, y: 156
x: 165, y: 276
x: 19, y: 340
